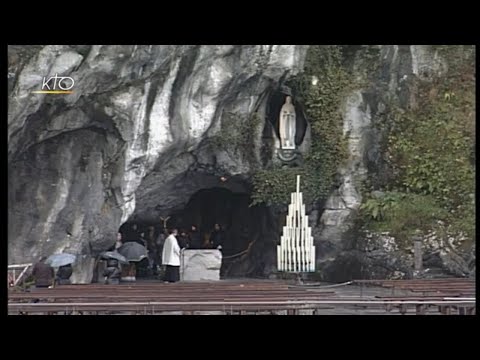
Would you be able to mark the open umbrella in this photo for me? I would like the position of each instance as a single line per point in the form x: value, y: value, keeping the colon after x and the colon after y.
x: 58, y: 260
x: 133, y: 251
x: 114, y: 255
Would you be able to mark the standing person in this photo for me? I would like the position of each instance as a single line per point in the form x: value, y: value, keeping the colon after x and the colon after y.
x: 218, y: 237
x: 150, y: 238
x: 141, y: 240
x: 43, y: 274
x: 183, y: 240
x: 119, y: 241
x: 195, y: 238
x: 159, y: 242
x: 152, y: 250
x: 133, y: 234
x: 171, y: 257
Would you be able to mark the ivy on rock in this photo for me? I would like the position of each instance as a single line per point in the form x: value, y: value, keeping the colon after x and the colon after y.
x: 320, y: 88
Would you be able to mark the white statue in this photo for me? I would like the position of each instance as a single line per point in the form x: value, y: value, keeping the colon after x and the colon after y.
x: 287, y: 124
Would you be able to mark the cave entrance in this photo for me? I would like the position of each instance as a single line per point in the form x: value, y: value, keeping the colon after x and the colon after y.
x: 208, y: 207
x: 250, y: 234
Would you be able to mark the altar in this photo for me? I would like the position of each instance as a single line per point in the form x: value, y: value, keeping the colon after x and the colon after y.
x: 200, y: 265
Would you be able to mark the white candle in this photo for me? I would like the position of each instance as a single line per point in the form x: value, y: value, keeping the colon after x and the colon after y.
x: 313, y: 259
x: 279, y: 250
x: 296, y: 246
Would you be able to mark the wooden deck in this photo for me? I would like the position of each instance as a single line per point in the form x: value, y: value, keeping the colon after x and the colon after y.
x: 247, y: 297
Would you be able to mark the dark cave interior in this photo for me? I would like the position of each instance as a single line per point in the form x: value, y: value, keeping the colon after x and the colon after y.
x: 242, y: 226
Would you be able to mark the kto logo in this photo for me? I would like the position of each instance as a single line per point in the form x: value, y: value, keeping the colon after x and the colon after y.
x: 56, y: 85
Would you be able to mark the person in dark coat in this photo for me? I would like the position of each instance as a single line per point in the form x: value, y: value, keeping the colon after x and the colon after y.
x: 218, y: 237
x: 182, y: 239
x: 150, y: 238
x: 63, y: 274
x: 159, y: 242
x: 43, y: 274
x: 141, y: 240
x: 133, y: 234
x: 195, y: 238
x: 152, y: 250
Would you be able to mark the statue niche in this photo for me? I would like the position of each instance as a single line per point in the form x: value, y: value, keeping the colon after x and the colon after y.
x: 287, y: 125
x: 287, y: 128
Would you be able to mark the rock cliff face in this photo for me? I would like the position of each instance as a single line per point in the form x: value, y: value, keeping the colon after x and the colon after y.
x: 135, y: 140
x: 132, y: 137
x: 345, y: 253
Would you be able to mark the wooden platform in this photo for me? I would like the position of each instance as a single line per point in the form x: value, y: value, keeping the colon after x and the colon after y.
x: 232, y: 297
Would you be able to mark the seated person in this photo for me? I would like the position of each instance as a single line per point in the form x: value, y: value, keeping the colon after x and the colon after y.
x: 112, y: 272
x: 63, y: 274
x: 43, y: 274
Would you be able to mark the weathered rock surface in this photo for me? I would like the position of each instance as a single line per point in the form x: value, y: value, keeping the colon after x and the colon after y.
x: 134, y: 140
x: 83, y: 270
x: 340, y: 256
x: 201, y: 265
x: 133, y: 136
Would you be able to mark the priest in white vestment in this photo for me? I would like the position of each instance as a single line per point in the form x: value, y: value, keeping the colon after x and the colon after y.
x: 171, y: 257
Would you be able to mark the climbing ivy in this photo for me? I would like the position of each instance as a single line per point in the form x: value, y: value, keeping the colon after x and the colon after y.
x: 273, y: 186
x: 237, y: 134
x: 401, y: 214
x: 322, y: 103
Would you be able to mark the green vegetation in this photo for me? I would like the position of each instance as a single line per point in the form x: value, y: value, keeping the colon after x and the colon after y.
x: 237, y: 134
x: 431, y: 150
x: 402, y: 213
x: 322, y: 104
x: 429, y: 147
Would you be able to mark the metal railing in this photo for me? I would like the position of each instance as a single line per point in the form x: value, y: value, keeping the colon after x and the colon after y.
x: 12, y: 272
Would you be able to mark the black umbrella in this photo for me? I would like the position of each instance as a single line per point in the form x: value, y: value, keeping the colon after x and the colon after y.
x: 133, y: 251
x: 114, y: 255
